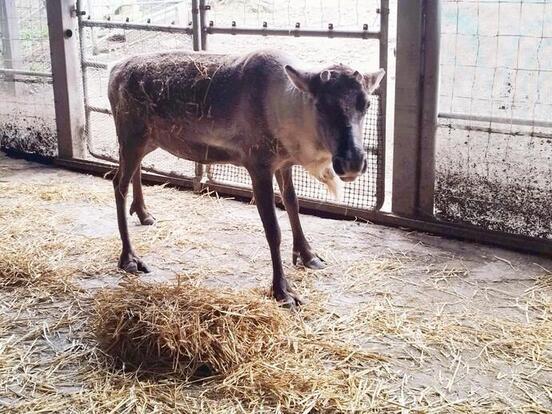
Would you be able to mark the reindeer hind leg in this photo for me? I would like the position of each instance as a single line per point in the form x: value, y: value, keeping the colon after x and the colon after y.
x: 138, y: 204
x: 130, y: 157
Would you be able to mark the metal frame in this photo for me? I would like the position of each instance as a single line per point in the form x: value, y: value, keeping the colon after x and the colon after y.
x: 108, y: 24
x: 66, y: 75
x: 496, y: 120
x: 25, y: 73
x: 382, y: 92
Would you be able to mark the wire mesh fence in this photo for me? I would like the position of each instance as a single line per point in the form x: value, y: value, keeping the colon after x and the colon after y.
x: 318, y: 14
x: 107, y: 45
x: 494, y: 145
x: 362, y: 193
x: 27, y: 118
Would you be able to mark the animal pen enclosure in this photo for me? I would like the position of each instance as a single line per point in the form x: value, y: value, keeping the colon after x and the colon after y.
x: 459, y: 144
x: 493, y: 102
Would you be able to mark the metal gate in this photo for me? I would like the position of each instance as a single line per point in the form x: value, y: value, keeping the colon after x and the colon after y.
x: 151, y: 25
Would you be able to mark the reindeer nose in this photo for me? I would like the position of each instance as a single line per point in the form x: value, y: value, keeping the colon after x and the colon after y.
x: 338, y: 165
x: 351, y: 166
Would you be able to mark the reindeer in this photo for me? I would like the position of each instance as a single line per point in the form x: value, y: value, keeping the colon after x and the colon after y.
x: 259, y: 111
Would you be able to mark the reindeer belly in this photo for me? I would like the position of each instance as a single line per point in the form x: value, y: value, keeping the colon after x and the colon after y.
x: 203, y: 153
x: 194, y: 144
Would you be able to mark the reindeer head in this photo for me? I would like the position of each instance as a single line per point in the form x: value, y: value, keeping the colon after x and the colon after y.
x: 340, y: 97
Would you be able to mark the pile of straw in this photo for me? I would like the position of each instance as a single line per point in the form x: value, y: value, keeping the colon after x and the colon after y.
x: 185, y: 328
x: 243, y: 346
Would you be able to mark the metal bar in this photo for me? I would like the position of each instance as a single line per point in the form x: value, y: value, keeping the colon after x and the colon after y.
x: 203, y: 23
x: 496, y: 120
x: 431, y: 40
x: 84, y: 79
x: 67, y: 78
x: 91, y: 108
x: 195, y: 25
x: 200, y: 169
x: 11, y: 40
x: 382, y: 138
x: 7, y: 71
x: 362, y: 34
x: 108, y: 24
x: 408, y: 94
x: 488, y: 130
x: 102, y: 169
x: 459, y: 231
x: 92, y: 64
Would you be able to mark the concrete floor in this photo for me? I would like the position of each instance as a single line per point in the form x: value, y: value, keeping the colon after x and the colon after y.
x: 421, y: 297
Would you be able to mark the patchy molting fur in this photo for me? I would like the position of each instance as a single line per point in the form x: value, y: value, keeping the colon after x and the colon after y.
x: 315, y: 159
x: 195, y: 106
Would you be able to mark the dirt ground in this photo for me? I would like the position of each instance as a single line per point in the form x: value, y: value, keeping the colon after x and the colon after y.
x: 458, y: 326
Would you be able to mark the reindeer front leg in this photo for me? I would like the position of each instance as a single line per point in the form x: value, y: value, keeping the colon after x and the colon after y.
x: 264, y: 197
x: 301, y: 247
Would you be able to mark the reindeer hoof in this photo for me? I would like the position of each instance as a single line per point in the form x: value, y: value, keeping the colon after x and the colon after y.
x: 315, y: 262
x: 131, y: 263
x: 146, y: 219
x: 288, y: 299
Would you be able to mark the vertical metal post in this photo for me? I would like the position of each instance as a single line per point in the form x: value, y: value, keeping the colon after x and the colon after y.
x: 66, y: 73
x: 417, y: 78
x: 382, y: 120
x: 196, y: 36
x: 408, y: 100
x: 430, y: 97
x: 203, y: 7
x: 200, y: 42
x: 87, y: 135
x: 11, y: 41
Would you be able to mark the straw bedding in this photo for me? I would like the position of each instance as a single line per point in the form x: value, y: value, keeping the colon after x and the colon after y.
x: 382, y: 332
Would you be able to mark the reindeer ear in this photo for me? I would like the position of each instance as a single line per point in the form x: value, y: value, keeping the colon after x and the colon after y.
x: 358, y: 76
x: 299, y: 79
x: 373, y: 80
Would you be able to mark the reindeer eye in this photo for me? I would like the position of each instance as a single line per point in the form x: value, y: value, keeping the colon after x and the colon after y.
x: 361, y: 103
